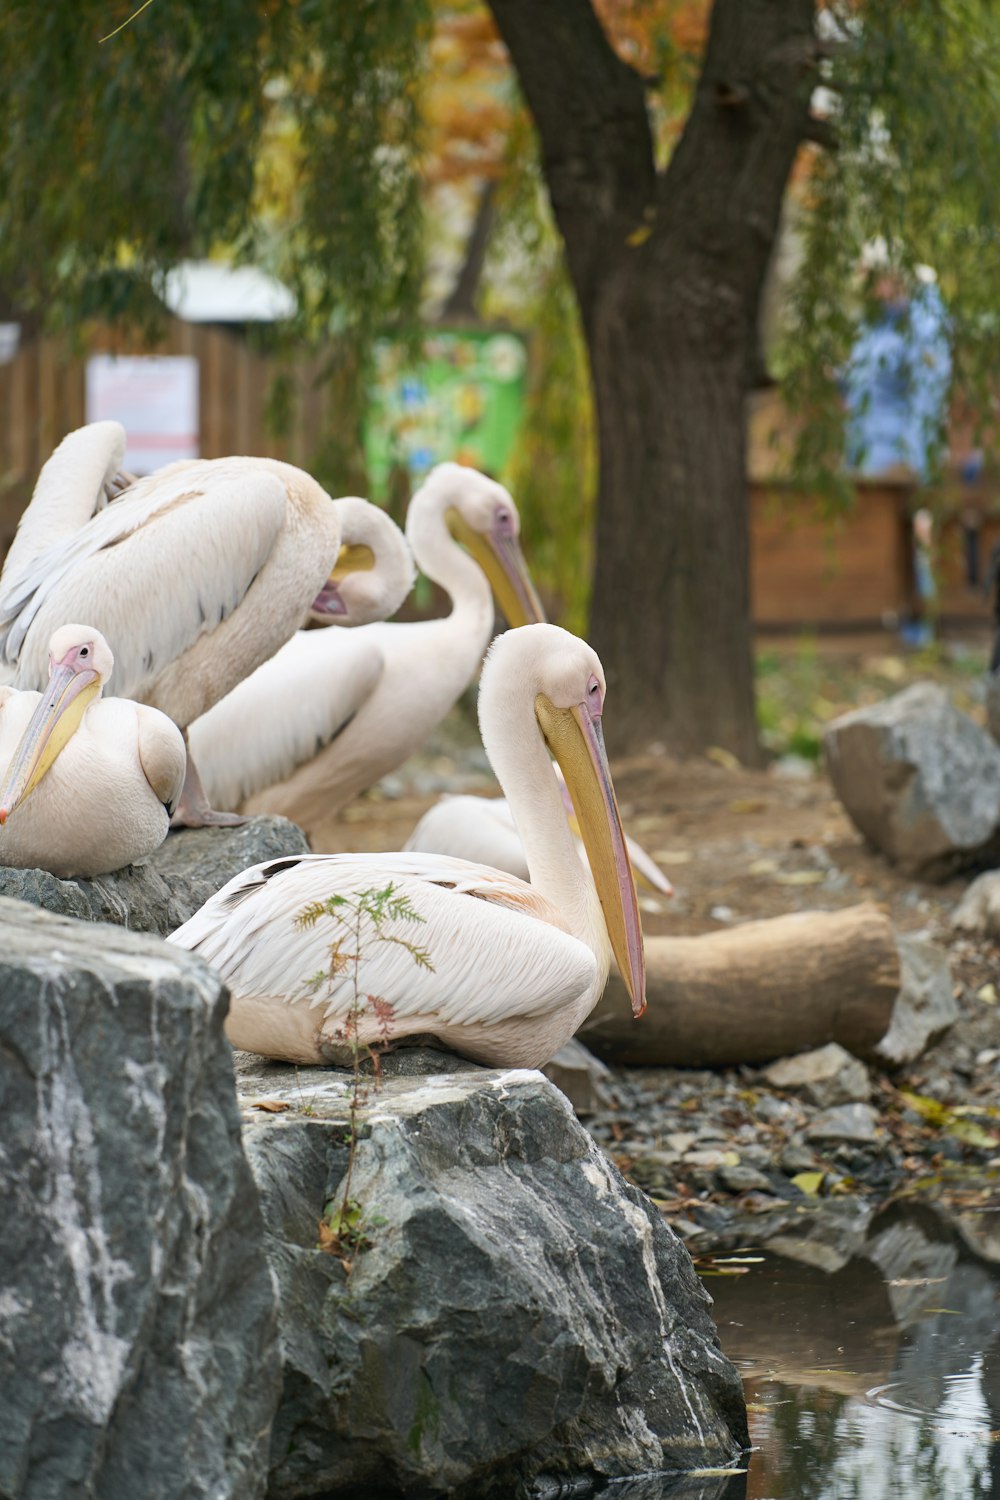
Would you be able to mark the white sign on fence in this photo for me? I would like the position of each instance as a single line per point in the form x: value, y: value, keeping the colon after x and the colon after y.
x: 155, y: 397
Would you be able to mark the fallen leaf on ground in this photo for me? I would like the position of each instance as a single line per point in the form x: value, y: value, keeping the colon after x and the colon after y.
x: 809, y: 1183
x: 800, y: 877
x: 724, y: 758
x: 271, y: 1106
x: 673, y: 856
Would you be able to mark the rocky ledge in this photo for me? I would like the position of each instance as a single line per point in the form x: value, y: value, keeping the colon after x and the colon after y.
x: 139, y: 1352
x: 496, y: 1307
x: 162, y: 891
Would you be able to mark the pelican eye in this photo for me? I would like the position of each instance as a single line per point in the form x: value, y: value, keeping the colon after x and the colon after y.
x: 84, y: 650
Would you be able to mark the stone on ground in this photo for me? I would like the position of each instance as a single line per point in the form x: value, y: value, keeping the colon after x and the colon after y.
x: 139, y: 1353
x: 826, y: 1076
x: 920, y: 780
x: 846, y: 1124
x: 519, y: 1311
x: 925, y: 1006
x: 168, y: 887
x: 978, y: 911
x: 581, y: 1076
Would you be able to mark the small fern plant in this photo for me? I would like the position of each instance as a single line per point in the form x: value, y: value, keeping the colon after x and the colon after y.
x: 365, y: 918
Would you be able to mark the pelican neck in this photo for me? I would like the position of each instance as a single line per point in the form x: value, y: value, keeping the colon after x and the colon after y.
x: 516, y: 750
x: 444, y: 561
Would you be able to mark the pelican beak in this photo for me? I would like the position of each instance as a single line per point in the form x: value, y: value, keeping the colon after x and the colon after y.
x: 498, y: 553
x: 645, y: 870
x: 56, y: 718
x: 329, y: 602
x: 576, y: 739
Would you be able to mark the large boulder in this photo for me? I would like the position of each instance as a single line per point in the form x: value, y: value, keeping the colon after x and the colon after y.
x: 169, y: 886
x: 920, y: 780
x: 139, y: 1352
x: 519, y: 1309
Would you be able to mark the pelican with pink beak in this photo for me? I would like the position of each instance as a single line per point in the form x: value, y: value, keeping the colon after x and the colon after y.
x: 511, y: 969
x: 87, y: 784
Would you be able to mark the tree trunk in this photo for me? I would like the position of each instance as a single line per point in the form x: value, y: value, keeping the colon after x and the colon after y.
x: 670, y: 607
x: 668, y: 268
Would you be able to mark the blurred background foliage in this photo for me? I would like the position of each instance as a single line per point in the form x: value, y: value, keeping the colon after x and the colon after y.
x: 353, y: 149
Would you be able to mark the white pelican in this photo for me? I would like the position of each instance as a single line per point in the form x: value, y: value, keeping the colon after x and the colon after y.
x: 514, y: 968
x: 196, y: 574
x: 88, y: 783
x: 482, y: 829
x: 280, y: 714
x: 389, y: 685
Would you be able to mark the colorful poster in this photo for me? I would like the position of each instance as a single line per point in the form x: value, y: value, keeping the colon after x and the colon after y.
x: 461, y: 401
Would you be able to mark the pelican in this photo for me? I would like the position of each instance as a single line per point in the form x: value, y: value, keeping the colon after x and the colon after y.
x: 386, y: 688
x: 278, y: 715
x: 513, y: 968
x: 483, y: 829
x: 197, y: 573
x: 88, y: 783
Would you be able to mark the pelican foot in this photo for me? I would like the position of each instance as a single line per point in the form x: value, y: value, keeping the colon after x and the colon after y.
x: 193, y: 808
x: 205, y: 817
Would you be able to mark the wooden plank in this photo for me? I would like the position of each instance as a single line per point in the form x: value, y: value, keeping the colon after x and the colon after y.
x: 806, y: 570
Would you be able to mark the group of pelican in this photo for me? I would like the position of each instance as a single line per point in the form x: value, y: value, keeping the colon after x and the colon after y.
x: 193, y: 584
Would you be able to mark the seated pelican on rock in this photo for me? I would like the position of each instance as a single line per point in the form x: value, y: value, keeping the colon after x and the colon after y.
x: 198, y: 573
x: 87, y: 784
x: 509, y: 970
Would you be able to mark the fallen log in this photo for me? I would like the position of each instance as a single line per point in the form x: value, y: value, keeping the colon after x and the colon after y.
x: 756, y: 992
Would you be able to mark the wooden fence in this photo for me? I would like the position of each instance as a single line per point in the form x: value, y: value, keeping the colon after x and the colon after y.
x: 42, y: 397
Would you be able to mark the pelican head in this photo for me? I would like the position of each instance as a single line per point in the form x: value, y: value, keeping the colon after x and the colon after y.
x: 482, y: 515
x: 567, y: 680
x: 80, y: 663
x: 374, y: 570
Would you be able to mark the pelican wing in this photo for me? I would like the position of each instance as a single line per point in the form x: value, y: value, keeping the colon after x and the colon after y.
x: 152, y: 572
x: 284, y: 713
x: 493, y: 947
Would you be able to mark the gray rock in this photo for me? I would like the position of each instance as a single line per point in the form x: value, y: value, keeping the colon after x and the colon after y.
x: 743, y: 1179
x: 581, y: 1076
x: 168, y: 887
x: 796, y: 1158
x: 978, y: 911
x: 139, y: 1353
x: 826, y: 1076
x: 925, y: 1006
x: 920, y: 780
x: 993, y: 704
x: 521, y: 1310
x: 849, y: 1124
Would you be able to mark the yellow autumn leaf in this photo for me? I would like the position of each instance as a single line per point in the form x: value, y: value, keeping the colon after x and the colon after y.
x: 724, y: 758
x: 809, y: 1183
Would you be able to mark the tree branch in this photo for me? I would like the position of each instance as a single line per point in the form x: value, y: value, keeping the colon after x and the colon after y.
x: 821, y: 132
x: 461, y: 300
x: 589, y: 109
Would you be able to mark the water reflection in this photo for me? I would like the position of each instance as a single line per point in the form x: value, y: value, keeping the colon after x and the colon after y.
x: 880, y: 1380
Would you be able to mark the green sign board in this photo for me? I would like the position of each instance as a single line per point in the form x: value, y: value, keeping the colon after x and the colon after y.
x: 460, y: 401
